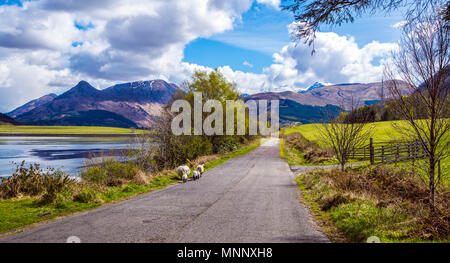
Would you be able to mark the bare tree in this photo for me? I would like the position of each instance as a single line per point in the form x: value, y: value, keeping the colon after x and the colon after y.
x: 312, y: 14
x: 344, y: 134
x: 423, y: 62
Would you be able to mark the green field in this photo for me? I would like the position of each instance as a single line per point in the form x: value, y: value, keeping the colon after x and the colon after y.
x: 382, y: 132
x: 65, y: 130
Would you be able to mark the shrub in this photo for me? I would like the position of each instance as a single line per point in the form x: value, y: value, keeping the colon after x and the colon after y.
x: 110, y: 172
x: 176, y: 150
x: 197, y: 146
x: 25, y: 180
x: 142, y: 152
x: 94, y: 174
x: 223, y: 144
x: 33, y: 181
x: 53, y: 183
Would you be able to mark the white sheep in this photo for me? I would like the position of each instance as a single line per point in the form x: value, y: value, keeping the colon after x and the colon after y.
x: 183, y: 172
x: 196, y: 175
x: 201, y: 169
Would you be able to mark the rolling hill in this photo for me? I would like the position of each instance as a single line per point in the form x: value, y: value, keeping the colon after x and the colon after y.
x: 6, y: 120
x: 137, y: 104
x: 86, y: 118
x: 362, y: 94
x: 32, y: 105
x: 320, y: 102
x: 314, y: 86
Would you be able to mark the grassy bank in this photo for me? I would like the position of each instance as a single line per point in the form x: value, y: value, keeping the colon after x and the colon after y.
x: 377, y: 201
x: 388, y: 201
x: 297, y: 150
x: 24, y: 210
x: 65, y: 130
x: 382, y: 132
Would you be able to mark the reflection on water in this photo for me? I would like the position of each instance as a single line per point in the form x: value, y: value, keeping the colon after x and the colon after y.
x: 67, y: 153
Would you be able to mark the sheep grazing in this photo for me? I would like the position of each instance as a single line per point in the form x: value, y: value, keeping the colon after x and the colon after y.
x: 196, y: 175
x: 183, y: 172
x: 201, y: 169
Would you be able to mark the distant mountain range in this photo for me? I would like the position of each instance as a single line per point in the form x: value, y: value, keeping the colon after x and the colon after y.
x: 6, y: 120
x: 137, y: 104
x: 133, y: 104
x: 32, y: 105
x: 314, y: 86
x: 309, y: 106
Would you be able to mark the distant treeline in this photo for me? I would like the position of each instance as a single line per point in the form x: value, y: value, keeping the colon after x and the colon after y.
x: 372, y: 113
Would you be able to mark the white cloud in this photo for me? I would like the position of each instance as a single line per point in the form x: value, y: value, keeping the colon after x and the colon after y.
x: 145, y: 39
x: 31, y: 28
x: 21, y: 81
x: 248, y: 64
x: 125, y: 41
x: 338, y: 59
x: 273, y: 3
x: 245, y: 82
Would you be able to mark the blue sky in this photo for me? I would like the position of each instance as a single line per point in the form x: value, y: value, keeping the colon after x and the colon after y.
x: 47, y: 46
x: 263, y: 31
x: 11, y: 2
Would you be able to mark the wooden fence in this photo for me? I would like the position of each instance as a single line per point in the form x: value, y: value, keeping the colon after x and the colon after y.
x: 391, y: 152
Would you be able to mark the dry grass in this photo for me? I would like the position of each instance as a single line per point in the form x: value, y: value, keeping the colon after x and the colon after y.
x: 310, y: 151
x: 383, y: 200
x: 206, y: 159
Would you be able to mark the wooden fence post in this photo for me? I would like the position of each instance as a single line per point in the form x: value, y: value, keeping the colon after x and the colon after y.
x: 372, y: 152
x: 382, y: 154
x: 397, y: 155
x: 409, y: 151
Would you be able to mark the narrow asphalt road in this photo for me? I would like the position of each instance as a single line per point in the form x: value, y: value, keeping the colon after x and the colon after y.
x: 252, y: 198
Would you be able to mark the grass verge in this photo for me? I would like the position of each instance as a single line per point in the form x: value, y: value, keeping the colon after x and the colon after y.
x: 375, y: 201
x: 297, y: 150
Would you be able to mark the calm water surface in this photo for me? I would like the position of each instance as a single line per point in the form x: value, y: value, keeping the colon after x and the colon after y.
x: 67, y: 153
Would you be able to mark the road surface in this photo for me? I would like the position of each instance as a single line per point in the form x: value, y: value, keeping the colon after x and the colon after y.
x: 251, y: 198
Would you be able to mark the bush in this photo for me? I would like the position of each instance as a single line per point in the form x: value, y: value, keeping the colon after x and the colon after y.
x: 223, y: 144
x: 94, y: 174
x: 53, y: 183
x: 176, y: 150
x: 142, y: 152
x: 26, y: 181
x: 33, y: 181
x: 110, y: 172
